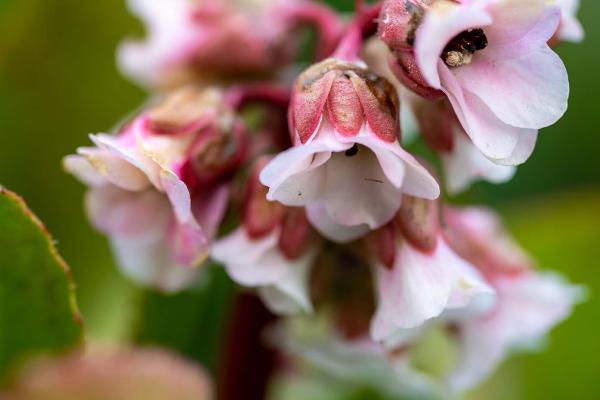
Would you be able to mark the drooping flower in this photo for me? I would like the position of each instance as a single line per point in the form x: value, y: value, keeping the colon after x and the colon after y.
x: 347, y: 166
x: 159, y: 188
x: 529, y: 303
x: 273, y: 250
x: 419, y: 277
x: 202, y: 40
x: 491, y: 60
x: 462, y: 162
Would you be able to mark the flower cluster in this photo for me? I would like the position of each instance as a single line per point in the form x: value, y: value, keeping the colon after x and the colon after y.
x: 327, y: 209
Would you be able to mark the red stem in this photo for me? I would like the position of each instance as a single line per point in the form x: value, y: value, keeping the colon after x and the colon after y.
x: 246, y: 364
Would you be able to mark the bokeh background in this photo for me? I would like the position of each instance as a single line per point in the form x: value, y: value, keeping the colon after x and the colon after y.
x: 59, y: 82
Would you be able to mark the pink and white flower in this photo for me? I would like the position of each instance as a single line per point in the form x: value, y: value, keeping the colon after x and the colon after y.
x: 463, y: 163
x: 419, y: 277
x: 529, y: 303
x: 347, y: 166
x: 213, y: 39
x: 273, y: 250
x: 156, y: 189
x: 491, y: 59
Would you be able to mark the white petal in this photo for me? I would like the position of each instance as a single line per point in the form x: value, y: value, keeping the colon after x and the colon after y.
x: 322, y: 222
x: 466, y: 164
x: 83, y: 170
x: 423, y: 286
x: 528, y: 307
x: 260, y: 264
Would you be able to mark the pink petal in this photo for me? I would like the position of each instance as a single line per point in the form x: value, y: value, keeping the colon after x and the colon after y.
x: 380, y: 104
x: 83, y: 170
x: 440, y: 25
x: 519, y: 29
x: 118, y: 212
x: 308, y: 102
x: 344, y: 106
x: 526, y: 92
x: 115, y: 169
x: 496, y: 139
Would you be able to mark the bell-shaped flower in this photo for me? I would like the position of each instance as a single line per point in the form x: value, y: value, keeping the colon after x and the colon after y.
x: 419, y: 277
x: 201, y: 40
x: 529, y: 303
x: 346, y: 166
x: 159, y: 188
x: 492, y: 61
x: 273, y: 250
x: 462, y: 162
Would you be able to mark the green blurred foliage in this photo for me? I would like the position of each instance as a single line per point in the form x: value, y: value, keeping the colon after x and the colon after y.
x: 192, y: 322
x: 38, y: 310
x: 58, y: 82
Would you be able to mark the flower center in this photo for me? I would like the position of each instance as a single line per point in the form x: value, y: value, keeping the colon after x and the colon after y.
x: 461, y: 48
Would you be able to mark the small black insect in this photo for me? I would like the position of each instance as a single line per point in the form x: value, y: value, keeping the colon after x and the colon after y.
x: 461, y: 48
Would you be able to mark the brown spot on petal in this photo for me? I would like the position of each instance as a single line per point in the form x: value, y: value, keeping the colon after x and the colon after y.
x: 344, y: 107
x: 308, y: 102
x: 418, y: 222
x: 380, y: 104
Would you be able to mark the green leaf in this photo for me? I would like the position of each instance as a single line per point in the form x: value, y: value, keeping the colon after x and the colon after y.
x: 38, y: 310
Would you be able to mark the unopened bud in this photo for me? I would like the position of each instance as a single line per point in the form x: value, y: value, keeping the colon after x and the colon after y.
x: 418, y: 222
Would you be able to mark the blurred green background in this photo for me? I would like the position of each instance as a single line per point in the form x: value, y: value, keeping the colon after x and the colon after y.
x: 58, y: 82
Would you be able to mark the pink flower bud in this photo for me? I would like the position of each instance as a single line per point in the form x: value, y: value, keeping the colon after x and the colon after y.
x: 151, y: 192
x: 345, y: 126
x: 194, y: 40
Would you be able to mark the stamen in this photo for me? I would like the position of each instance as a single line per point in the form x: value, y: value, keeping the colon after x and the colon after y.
x: 461, y: 48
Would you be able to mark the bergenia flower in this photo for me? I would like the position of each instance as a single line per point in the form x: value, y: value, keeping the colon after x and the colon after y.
x: 159, y: 188
x: 491, y: 59
x: 273, y: 250
x: 200, y: 40
x: 419, y: 277
x: 570, y: 29
x: 529, y: 303
x: 462, y: 162
x: 346, y: 167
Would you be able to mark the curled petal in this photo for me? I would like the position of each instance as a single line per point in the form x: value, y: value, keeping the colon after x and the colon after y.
x: 528, y: 307
x: 421, y: 287
x: 260, y: 264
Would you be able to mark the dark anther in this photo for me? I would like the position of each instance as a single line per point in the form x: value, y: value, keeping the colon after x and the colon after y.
x: 352, y: 151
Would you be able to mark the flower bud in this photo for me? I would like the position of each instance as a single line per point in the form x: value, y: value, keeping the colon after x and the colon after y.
x: 419, y: 222
x: 350, y: 95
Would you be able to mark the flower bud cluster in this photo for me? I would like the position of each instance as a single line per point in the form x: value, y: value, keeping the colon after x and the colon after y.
x: 328, y: 210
